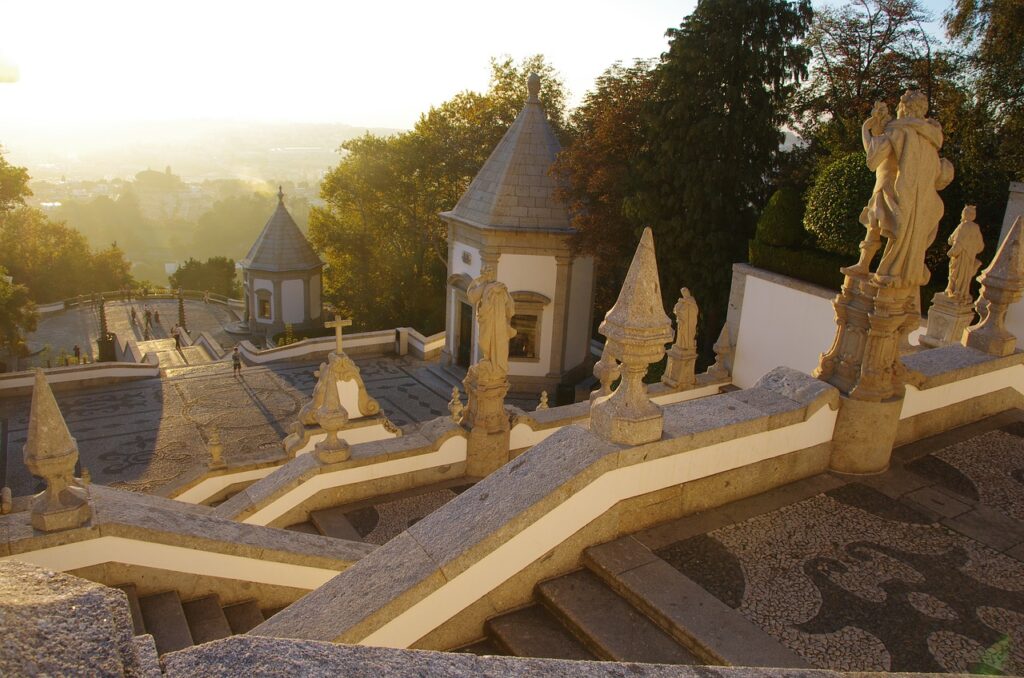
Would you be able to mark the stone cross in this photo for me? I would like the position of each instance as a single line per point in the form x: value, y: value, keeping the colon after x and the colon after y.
x: 338, y: 324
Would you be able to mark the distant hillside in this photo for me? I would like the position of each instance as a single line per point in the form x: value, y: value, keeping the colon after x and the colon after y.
x: 197, y: 149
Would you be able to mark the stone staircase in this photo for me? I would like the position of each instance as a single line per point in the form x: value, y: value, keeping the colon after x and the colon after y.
x: 171, y: 357
x: 329, y: 522
x: 628, y: 605
x: 175, y: 624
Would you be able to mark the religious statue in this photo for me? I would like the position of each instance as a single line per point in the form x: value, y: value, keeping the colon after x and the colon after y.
x: 905, y: 207
x: 494, y: 311
x: 686, y: 311
x: 965, y: 244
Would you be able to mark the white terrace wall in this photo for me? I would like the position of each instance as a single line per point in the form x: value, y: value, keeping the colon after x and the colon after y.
x: 776, y: 320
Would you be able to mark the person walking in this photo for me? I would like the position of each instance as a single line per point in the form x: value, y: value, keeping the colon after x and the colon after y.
x: 177, y: 338
x: 78, y: 353
x: 236, y: 362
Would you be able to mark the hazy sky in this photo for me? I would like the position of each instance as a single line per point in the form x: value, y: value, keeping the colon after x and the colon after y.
x: 365, y: 63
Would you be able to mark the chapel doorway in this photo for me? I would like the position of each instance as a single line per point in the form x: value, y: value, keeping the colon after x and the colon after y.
x: 465, y: 348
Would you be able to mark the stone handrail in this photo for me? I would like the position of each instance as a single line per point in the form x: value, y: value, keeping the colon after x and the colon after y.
x: 20, y: 383
x: 156, y: 534
x: 115, y: 295
x: 531, y: 519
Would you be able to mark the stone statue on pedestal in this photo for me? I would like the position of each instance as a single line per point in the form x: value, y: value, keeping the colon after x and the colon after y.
x: 965, y: 244
x: 494, y: 311
x: 679, y: 372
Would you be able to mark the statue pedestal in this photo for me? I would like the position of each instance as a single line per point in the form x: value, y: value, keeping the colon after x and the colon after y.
x: 864, y: 435
x: 679, y: 373
x: 69, y: 509
x: 628, y: 417
x: 947, y: 320
x: 488, y: 423
x: 871, y: 321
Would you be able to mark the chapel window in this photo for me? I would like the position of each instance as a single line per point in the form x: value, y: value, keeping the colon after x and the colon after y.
x: 264, y: 308
x: 524, y: 344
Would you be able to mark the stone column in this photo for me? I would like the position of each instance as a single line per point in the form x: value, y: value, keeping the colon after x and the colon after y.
x: 560, y: 315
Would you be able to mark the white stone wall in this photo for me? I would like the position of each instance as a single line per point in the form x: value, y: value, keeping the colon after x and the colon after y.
x: 577, y: 334
x: 293, y: 301
x: 472, y: 269
x: 532, y: 273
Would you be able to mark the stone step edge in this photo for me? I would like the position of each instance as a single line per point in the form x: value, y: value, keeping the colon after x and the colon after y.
x: 492, y: 634
x: 570, y: 624
x: 714, y: 632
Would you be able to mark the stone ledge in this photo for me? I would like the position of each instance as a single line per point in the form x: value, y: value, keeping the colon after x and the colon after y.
x: 125, y: 514
x: 253, y: 655
x: 945, y: 365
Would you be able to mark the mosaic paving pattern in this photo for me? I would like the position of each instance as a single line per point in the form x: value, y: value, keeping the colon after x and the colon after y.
x: 853, y: 580
x: 149, y: 435
x: 381, y: 523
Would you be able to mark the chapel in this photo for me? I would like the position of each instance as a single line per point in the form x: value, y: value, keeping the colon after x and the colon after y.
x: 510, y: 219
x: 281, y: 277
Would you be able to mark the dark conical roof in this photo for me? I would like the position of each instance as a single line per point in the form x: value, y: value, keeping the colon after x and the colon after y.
x: 514, y: 190
x: 281, y: 245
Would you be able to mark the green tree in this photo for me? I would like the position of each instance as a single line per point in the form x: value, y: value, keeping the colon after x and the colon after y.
x: 379, y: 229
x: 216, y: 274
x: 713, y: 138
x: 13, y: 184
x: 17, y: 317
x: 597, y: 176
x: 834, y: 204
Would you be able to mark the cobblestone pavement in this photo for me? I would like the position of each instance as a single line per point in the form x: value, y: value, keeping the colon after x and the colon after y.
x: 62, y: 331
x: 150, y: 435
x: 919, y: 569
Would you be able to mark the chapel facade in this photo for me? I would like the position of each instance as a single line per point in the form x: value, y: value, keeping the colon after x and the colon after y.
x: 282, y: 277
x: 509, y: 219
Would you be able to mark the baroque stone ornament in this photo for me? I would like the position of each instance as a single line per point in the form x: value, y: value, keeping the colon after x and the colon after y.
x: 723, y: 355
x: 637, y: 330
x: 1002, y: 284
x: 455, y: 406
x: 607, y: 371
x: 51, y: 453
x: 679, y: 372
x: 216, y: 450
x: 543, y: 404
x: 332, y: 417
x: 953, y: 310
x: 876, y: 311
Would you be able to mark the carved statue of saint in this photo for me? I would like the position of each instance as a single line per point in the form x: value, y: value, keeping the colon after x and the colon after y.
x: 494, y: 311
x: 686, y: 311
x: 965, y: 244
x: 905, y: 207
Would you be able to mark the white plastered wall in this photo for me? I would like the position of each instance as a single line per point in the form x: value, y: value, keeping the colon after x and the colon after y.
x: 782, y: 326
x: 532, y: 273
x: 293, y: 299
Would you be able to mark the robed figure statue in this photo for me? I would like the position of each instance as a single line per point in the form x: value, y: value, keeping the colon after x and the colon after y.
x: 494, y: 311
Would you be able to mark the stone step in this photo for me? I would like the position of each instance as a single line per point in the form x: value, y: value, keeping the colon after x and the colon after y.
x: 609, y: 626
x: 483, y: 648
x: 707, y: 627
x: 243, y: 616
x: 133, y: 606
x: 306, y: 527
x: 206, y: 620
x: 438, y: 380
x: 533, y: 632
x: 333, y: 523
x: 164, y: 619
x: 195, y: 355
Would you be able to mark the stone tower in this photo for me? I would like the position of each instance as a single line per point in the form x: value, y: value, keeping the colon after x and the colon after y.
x: 509, y: 219
x: 281, y: 277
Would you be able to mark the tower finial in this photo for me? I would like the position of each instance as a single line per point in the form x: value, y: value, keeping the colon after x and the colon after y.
x: 280, y: 194
x: 533, y: 88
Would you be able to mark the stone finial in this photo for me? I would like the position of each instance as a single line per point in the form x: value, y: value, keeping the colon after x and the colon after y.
x: 606, y: 370
x: 679, y: 372
x: 86, y: 477
x: 51, y: 453
x: 332, y: 417
x: 533, y: 88
x: 6, y: 500
x: 280, y: 194
x: 723, y: 355
x: 637, y: 330
x: 455, y: 405
x: 543, y: 404
x: 1002, y: 284
x: 216, y: 449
